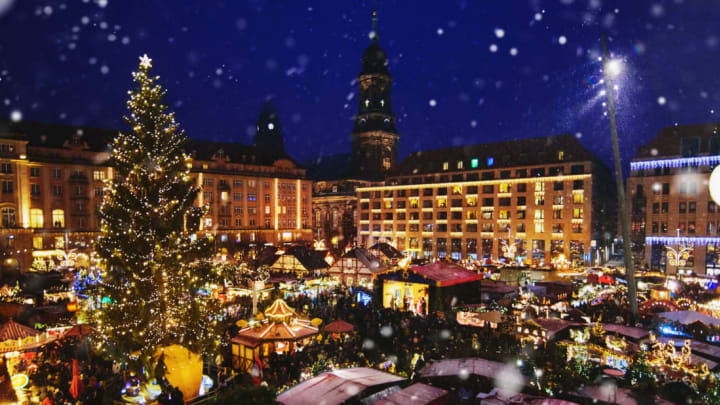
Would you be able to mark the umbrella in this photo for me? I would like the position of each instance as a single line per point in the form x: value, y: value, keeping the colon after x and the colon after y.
x: 79, y: 330
x: 76, y: 385
x: 339, y: 326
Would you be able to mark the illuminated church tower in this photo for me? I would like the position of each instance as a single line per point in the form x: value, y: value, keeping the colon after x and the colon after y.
x: 374, y: 136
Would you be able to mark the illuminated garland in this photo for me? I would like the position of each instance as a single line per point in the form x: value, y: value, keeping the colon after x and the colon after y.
x: 675, y: 163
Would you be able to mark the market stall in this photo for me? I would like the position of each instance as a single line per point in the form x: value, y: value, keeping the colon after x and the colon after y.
x: 281, y: 331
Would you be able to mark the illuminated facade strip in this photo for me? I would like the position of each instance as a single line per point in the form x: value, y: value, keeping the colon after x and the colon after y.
x: 476, y: 183
x: 688, y: 240
x: 674, y: 163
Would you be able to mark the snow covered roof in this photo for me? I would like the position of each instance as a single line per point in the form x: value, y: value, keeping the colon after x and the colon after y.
x: 337, y: 386
x: 688, y: 317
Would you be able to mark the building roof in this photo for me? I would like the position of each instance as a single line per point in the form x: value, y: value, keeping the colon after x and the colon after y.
x: 387, y: 249
x: 667, y: 143
x: 554, y: 326
x: 50, y: 135
x: 445, y: 274
x: 416, y: 394
x: 337, y: 386
x: 520, y: 152
x: 688, y: 317
x: 627, y: 331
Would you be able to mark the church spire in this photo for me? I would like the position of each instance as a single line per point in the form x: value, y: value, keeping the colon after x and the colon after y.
x: 374, y: 35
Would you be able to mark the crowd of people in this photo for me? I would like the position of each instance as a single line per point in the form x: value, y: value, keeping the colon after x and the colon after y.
x: 383, y: 338
x: 52, y: 373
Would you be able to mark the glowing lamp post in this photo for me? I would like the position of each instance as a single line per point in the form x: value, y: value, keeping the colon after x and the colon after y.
x: 612, y: 68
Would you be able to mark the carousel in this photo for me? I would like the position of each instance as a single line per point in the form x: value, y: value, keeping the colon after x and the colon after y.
x: 280, y: 330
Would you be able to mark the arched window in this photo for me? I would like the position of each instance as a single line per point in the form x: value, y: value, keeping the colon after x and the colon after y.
x: 8, y: 217
x: 58, y: 219
x: 36, y: 218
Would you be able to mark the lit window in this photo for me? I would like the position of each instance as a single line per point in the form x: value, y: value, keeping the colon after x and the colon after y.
x: 460, y: 164
x: 539, y: 186
x: 271, y: 126
x: 539, y: 214
x: 474, y: 163
x: 58, y: 218
x: 367, y: 102
x: 539, y: 227
x: 490, y: 161
x: 382, y: 103
x: 561, y: 155
x: 208, y: 222
x: 37, y: 242
x: 36, y: 218
x: 98, y: 175
x: 267, y: 209
x: 446, y: 165
x: 504, y: 188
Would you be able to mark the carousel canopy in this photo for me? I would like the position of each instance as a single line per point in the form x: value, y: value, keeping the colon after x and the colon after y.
x: 336, y: 387
x: 284, y: 325
x: 280, y: 310
x: 339, y: 326
x: 688, y: 317
x: 13, y: 330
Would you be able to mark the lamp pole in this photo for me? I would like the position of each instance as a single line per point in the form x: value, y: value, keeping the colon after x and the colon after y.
x: 622, y: 211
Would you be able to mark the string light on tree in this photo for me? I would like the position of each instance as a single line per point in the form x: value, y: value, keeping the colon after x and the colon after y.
x: 153, y: 271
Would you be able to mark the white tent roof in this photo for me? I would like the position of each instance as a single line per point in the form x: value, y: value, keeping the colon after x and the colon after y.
x: 688, y: 317
x: 336, y: 387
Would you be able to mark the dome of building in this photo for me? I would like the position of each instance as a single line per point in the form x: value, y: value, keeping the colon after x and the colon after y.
x: 374, y: 60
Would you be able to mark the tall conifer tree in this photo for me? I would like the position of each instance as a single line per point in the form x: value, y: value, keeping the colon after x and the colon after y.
x: 155, y: 268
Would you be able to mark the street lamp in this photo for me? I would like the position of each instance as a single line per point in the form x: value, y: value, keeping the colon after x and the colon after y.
x: 611, y: 69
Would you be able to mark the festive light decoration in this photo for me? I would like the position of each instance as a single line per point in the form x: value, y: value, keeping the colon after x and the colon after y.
x: 675, y: 163
x: 149, y: 296
x: 678, y: 240
x: 678, y: 257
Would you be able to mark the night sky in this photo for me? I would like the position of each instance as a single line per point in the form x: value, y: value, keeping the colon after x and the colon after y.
x: 464, y: 71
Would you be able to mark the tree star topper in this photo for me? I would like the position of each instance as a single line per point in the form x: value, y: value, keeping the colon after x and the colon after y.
x: 145, y: 62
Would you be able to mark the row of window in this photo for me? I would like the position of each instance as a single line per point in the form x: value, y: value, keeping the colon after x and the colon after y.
x: 238, y: 223
x: 37, y: 218
x: 578, y: 198
x: 458, y: 190
x: 490, y: 161
x: 236, y: 183
x: 577, y: 213
x: 538, y: 227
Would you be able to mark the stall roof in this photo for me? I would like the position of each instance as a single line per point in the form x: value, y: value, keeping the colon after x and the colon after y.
x: 688, y: 317
x: 336, y: 387
x: 445, y: 274
x: 554, y: 325
x: 627, y: 331
x: 416, y: 394
x: 502, y: 397
x: 472, y: 365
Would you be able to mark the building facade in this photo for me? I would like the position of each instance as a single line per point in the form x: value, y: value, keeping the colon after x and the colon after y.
x: 53, y: 184
x: 374, y: 152
x: 531, y: 199
x: 674, y: 222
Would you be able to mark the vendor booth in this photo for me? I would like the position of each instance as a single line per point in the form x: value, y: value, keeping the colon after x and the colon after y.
x: 281, y: 331
x: 421, y: 288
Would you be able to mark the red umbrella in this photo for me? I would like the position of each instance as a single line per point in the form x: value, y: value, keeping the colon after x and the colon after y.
x: 79, y: 330
x: 339, y: 326
x: 76, y: 385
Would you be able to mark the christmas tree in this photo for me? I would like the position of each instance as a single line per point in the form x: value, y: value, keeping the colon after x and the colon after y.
x: 154, y: 265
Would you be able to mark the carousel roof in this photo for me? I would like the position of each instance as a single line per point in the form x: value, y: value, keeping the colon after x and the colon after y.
x: 284, y: 325
x: 280, y: 309
x: 13, y: 330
